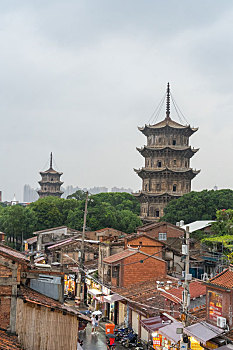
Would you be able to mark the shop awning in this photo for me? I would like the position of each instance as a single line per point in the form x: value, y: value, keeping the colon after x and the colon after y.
x: 112, y: 298
x: 169, y: 331
x: 203, y: 331
x: 94, y: 292
x: 226, y: 347
x: 152, y: 324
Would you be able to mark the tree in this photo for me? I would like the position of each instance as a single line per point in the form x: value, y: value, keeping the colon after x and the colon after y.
x: 224, y: 222
x: 195, y: 206
x: 52, y: 211
x: 115, y: 210
x: 18, y: 223
x: 79, y: 195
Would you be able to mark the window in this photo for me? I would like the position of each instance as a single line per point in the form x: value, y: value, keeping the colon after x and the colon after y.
x: 162, y: 236
x: 157, y: 213
x: 174, y: 188
x: 140, y: 243
x: 159, y: 164
x: 158, y: 187
x: 174, y: 162
x: 174, y: 142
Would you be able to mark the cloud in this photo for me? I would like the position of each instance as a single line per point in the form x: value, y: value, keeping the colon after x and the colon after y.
x: 78, y: 78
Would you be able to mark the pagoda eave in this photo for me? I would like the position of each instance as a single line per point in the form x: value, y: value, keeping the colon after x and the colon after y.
x: 148, y: 150
x: 143, y: 172
x: 45, y: 182
x: 153, y: 129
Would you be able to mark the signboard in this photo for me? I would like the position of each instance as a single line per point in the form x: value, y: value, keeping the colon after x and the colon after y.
x: 183, y: 346
x: 157, y: 341
x: 215, y: 305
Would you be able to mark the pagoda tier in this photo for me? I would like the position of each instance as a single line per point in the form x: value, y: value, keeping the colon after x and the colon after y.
x: 153, y: 151
x: 46, y: 182
x: 164, y: 172
x: 167, y: 173
x: 167, y: 125
x: 43, y: 193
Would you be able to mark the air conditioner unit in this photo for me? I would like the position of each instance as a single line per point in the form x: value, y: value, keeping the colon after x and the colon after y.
x: 221, y: 322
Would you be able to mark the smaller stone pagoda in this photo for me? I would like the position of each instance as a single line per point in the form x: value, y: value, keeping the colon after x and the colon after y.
x: 50, y: 182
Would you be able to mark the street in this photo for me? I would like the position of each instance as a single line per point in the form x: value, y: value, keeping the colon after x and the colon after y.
x: 95, y: 341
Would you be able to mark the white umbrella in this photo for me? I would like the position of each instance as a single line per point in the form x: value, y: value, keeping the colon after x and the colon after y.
x: 97, y: 313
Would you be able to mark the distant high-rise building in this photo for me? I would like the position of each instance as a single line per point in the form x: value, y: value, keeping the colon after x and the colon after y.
x: 29, y: 194
x: 117, y: 189
x: 50, y: 182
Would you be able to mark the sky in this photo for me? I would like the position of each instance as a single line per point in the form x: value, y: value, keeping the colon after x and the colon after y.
x: 78, y: 77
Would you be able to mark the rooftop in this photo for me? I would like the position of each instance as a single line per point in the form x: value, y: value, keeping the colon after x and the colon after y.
x: 8, y: 342
x: 224, y: 279
x: 126, y: 253
x: 32, y: 296
x: 119, y: 256
x: 196, y: 288
x: 13, y: 254
x: 197, y: 225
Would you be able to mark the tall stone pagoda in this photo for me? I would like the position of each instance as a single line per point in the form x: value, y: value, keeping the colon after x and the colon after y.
x: 50, y: 182
x: 167, y: 173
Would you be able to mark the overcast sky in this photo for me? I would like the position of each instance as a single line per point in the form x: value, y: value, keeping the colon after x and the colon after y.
x: 78, y: 77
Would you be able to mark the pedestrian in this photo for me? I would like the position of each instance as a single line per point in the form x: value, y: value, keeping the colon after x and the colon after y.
x: 96, y: 322
x: 93, y: 323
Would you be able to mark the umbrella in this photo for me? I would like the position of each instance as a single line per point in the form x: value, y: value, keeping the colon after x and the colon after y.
x: 97, y: 313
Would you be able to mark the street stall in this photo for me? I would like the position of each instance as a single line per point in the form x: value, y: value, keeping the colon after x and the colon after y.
x: 69, y: 285
x: 151, y: 325
x: 93, y: 293
x: 201, y: 333
x: 169, y: 339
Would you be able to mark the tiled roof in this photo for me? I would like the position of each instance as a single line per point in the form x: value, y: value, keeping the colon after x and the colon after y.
x: 119, y: 256
x: 31, y: 240
x: 13, y: 254
x: 62, y: 243
x: 149, y: 226
x: 223, y: 279
x: 9, y: 342
x: 142, y: 234
x: 32, y: 296
x: 145, y: 295
x: 196, y: 289
x: 126, y: 253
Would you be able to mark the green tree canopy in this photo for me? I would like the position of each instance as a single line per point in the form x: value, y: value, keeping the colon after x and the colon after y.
x: 198, y: 206
x: 116, y: 210
x: 17, y: 222
x: 52, y: 211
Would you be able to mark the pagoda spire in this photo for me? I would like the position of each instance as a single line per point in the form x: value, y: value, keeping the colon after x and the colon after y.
x: 168, y: 102
x: 51, y: 160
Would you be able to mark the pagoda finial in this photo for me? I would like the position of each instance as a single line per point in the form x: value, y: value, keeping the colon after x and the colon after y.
x: 51, y: 160
x: 168, y: 102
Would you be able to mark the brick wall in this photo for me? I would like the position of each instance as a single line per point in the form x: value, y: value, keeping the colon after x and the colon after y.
x: 139, y: 272
x: 171, y: 231
x: 146, y: 245
x: 227, y: 300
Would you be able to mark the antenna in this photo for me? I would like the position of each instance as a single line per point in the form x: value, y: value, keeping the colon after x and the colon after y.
x: 51, y: 160
x: 168, y: 102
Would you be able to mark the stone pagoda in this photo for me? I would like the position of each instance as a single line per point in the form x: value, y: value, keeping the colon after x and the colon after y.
x: 50, y: 182
x: 167, y: 173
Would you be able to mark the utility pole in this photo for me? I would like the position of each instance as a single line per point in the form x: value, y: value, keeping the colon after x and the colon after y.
x: 81, y: 258
x: 186, y: 294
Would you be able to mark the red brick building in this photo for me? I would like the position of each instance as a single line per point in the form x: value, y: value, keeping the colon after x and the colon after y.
x: 161, y: 230
x: 12, y: 264
x: 173, y: 298
x: 132, y: 266
x: 146, y: 244
x: 219, y: 297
